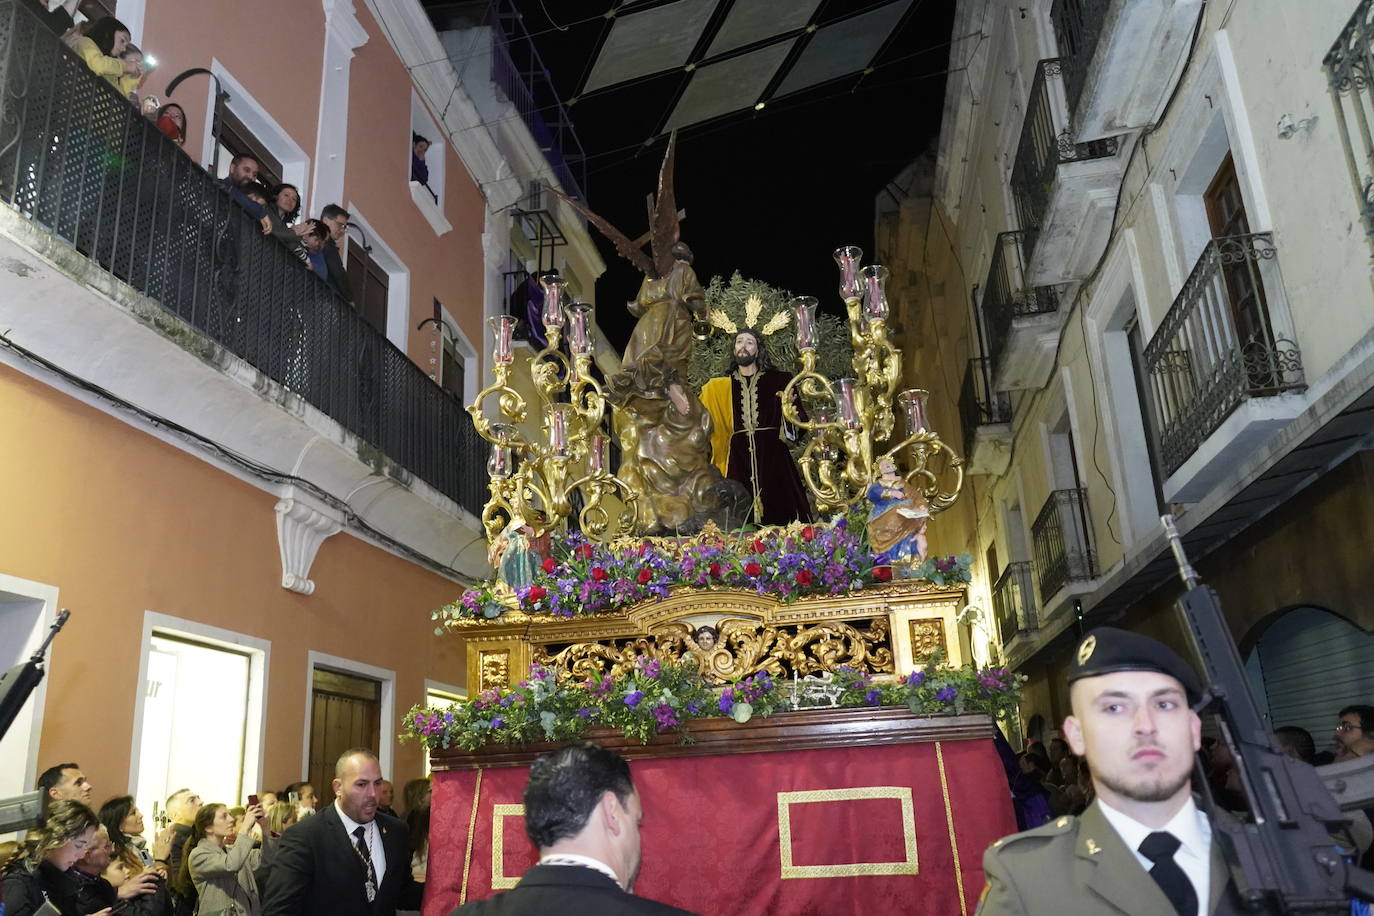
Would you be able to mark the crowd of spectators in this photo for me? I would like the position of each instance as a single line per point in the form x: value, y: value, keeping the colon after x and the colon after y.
x: 203, y: 858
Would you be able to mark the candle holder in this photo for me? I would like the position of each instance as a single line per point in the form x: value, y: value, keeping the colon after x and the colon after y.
x: 851, y: 422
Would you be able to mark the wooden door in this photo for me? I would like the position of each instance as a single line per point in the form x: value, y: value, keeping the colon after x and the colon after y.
x: 1240, y: 271
x: 345, y: 712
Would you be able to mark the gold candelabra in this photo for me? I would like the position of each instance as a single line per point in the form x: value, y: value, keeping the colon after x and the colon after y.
x: 538, y: 487
x: 852, y: 420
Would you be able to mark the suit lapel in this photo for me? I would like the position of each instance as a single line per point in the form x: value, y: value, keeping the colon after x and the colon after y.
x: 1107, y: 867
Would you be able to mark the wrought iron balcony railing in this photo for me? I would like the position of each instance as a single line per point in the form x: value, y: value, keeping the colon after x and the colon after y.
x: 1077, y: 28
x: 1005, y: 295
x: 978, y: 405
x: 1046, y: 143
x: 1348, y: 65
x: 1218, y: 345
x: 1013, y: 601
x: 79, y: 160
x: 1063, y: 541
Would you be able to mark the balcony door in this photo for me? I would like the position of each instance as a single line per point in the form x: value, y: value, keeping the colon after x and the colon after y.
x: 1227, y: 218
x: 370, y: 286
x: 345, y: 712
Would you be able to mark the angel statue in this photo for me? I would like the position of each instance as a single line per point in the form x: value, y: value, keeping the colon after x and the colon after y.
x: 897, y: 521
x: 664, y: 430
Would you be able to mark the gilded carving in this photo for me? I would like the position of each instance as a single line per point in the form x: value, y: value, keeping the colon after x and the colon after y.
x: 495, y: 669
x: 744, y: 647
x: 927, y: 635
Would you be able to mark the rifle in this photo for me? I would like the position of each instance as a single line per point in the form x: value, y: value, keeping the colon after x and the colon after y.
x: 1282, y: 860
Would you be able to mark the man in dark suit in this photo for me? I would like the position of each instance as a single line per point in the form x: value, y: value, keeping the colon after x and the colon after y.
x: 346, y: 860
x: 336, y: 218
x: 583, y: 813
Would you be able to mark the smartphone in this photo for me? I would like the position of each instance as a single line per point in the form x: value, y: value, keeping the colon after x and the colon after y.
x: 294, y: 797
x: 252, y: 800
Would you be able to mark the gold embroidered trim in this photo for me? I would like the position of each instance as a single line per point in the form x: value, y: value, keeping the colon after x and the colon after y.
x: 949, y: 819
x: 500, y: 881
x: 901, y: 794
x: 749, y: 413
x: 472, y: 829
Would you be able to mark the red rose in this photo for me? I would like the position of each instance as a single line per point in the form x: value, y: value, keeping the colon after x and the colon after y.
x: 537, y: 592
x: 803, y: 577
x: 585, y: 551
x: 808, y: 533
x: 758, y: 546
x: 753, y: 569
x: 882, y: 573
x: 645, y: 575
x: 549, y: 565
x: 715, y: 570
x: 599, y: 574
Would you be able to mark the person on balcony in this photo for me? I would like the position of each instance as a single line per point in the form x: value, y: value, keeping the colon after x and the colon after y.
x: 171, y: 122
x: 419, y: 169
x: 102, y: 48
x: 283, y: 206
x: 59, y: 19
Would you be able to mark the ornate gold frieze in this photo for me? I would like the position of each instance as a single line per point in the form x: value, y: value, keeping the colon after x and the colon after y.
x: 745, y: 647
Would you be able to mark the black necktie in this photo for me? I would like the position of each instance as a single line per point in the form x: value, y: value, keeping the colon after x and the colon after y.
x: 1159, y: 848
x: 360, y: 847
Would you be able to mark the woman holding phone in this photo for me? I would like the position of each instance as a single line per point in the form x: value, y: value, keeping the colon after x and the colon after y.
x: 221, y: 873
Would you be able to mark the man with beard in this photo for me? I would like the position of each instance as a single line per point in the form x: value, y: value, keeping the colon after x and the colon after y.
x: 1143, y: 846
x: 747, y: 436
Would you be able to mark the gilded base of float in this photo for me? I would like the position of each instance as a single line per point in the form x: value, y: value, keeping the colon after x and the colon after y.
x: 880, y: 631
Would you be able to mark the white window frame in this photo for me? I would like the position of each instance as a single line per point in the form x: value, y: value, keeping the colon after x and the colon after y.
x: 14, y: 590
x: 295, y: 164
x: 398, y: 279
x: 386, y: 731
x: 422, y: 123
x: 259, y: 652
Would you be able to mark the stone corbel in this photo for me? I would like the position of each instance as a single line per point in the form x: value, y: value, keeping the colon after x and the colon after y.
x: 302, y: 526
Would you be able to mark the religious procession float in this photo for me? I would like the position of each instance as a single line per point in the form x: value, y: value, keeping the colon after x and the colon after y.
x: 747, y: 574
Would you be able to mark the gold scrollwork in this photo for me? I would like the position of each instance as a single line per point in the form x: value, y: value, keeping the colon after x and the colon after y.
x: 495, y: 669
x: 928, y: 635
x: 745, y: 647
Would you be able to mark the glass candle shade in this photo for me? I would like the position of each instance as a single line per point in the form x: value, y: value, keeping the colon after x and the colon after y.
x: 502, y: 327
x: 596, y: 457
x: 579, y: 319
x: 553, y: 286
x: 845, y: 403
x: 875, y: 296
x: 913, y: 404
x: 805, y: 308
x: 499, y: 464
x: 848, y: 258
x: 560, y: 416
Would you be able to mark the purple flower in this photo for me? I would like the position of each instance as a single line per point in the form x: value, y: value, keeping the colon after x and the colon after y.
x: 633, y: 697
x: 584, y: 712
x: 946, y: 694
x: 727, y: 701
x: 666, y: 716
x: 498, y: 722
x: 871, y: 698
x: 916, y: 679
x: 694, y: 708
x: 652, y: 669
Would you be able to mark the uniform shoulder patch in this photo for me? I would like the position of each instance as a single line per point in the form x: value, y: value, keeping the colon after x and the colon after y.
x: 1056, y: 827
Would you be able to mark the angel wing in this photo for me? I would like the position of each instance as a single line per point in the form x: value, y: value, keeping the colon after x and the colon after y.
x: 665, y: 225
x: 623, y: 244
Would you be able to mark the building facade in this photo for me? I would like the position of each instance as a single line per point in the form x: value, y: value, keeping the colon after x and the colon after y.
x: 1136, y: 271
x: 249, y: 491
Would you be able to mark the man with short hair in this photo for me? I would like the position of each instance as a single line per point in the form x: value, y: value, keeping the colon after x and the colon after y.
x: 584, y: 815
x: 1143, y: 846
x: 347, y: 860
x: 386, y: 794
x: 182, y: 807
x: 336, y: 219
x: 1355, y: 732
x: 243, y: 173
x: 145, y: 891
x: 65, y: 781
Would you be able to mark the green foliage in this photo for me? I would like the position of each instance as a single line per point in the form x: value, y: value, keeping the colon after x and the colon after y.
x: 711, y: 356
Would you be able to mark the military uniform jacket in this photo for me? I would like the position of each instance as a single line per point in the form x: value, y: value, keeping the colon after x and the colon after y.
x: 1081, y: 866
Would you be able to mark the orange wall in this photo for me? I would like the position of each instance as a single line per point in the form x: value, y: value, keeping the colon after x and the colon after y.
x: 279, y: 60
x: 122, y: 523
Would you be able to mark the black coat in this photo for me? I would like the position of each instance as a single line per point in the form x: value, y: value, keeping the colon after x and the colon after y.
x: 25, y: 890
x: 568, y: 890
x: 317, y: 872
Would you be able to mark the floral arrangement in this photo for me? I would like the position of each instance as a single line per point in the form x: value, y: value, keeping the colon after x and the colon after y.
x: 658, y: 697
x: 580, y: 577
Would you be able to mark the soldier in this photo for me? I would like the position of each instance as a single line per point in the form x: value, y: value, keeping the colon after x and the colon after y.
x: 1143, y: 846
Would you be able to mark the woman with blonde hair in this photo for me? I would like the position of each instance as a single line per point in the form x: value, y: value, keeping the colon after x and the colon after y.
x: 36, y: 875
x: 223, y: 874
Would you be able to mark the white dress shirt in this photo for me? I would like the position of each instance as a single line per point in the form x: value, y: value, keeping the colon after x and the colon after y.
x: 1194, y: 853
x: 372, y: 835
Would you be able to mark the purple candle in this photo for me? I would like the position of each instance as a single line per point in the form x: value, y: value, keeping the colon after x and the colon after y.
x: 553, y: 286
x: 875, y: 296
x: 581, y: 342
x: 845, y: 403
x: 597, y: 458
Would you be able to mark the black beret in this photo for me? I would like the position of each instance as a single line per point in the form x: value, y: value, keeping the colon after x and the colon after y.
x: 1106, y: 650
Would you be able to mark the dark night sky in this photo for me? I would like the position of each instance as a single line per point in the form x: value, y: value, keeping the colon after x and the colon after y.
x: 769, y: 193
